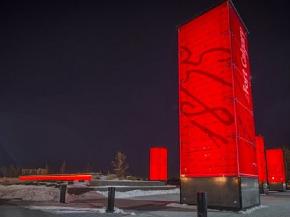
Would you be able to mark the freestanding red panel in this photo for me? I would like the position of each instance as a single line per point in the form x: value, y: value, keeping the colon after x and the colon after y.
x: 261, y: 159
x: 276, y: 169
x: 217, y: 135
x: 158, y: 164
x: 261, y: 163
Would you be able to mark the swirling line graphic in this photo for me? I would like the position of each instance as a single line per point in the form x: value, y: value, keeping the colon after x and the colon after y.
x: 211, y: 134
x: 190, y: 108
x: 188, y: 55
x: 187, y: 60
x: 205, y: 73
x: 220, y: 113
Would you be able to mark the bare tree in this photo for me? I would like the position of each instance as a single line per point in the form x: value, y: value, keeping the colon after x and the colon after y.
x: 120, y: 165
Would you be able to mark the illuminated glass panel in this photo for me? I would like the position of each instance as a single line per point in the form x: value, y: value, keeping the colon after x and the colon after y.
x: 158, y: 164
x: 215, y: 102
x: 261, y: 159
x: 275, y: 166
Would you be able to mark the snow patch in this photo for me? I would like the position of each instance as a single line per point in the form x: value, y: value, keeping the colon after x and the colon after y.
x: 29, y: 193
x: 140, y: 193
x: 67, y: 210
x: 178, y: 205
x: 253, y: 209
x: 91, y: 195
x: 186, y: 206
x: 79, y: 184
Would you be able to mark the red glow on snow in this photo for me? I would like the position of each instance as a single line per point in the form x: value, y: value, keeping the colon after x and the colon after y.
x: 72, y: 177
x: 261, y: 159
x: 158, y: 164
x: 275, y: 166
x: 217, y: 135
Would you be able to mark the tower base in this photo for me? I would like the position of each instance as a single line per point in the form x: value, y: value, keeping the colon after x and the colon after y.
x: 277, y: 187
x: 231, y: 193
x: 263, y: 188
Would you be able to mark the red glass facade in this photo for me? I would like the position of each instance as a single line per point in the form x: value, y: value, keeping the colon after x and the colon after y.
x: 217, y: 135
x: 275, y: 166
x: 158, y: 164
x: 261, y: 159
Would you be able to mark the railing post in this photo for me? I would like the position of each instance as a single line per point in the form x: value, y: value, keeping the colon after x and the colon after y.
x: 111, y: 199
x: 201, y: 204
x: 63, y: 188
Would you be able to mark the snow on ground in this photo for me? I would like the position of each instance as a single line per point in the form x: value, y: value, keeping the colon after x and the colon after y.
x: 66, y: 210
x: 185, y: 206
x: 79, y: 184
x: 85, y: 196
x: 29, y: 192
x: 178, y: 205
x: 253, y: 209
x: 43, y: 193
x: 139, y: 193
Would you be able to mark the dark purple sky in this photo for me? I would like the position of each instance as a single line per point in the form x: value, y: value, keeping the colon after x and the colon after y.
x: 81, y: 81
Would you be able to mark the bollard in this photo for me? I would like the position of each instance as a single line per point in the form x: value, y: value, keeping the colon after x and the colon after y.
x: 62, y: 193
x: 111, y: 199
x: 201, y: 204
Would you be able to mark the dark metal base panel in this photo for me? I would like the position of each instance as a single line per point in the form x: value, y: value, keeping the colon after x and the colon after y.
x: 263, y: 188
x: 277, y: 187
x: 232, y: 193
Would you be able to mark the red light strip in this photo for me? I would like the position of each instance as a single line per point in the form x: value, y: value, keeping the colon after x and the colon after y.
x: 56, y: 178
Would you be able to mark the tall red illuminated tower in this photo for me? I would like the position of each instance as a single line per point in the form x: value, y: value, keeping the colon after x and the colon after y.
x: 217, y: 134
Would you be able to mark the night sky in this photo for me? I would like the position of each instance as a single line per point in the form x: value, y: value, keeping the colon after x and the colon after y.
x: 81, y: 81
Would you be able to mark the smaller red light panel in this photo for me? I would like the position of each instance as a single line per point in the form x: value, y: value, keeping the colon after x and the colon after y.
x: 158, y: 164
x: 261, y: 159
x: 72, y: 177
x: 275, y: 166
